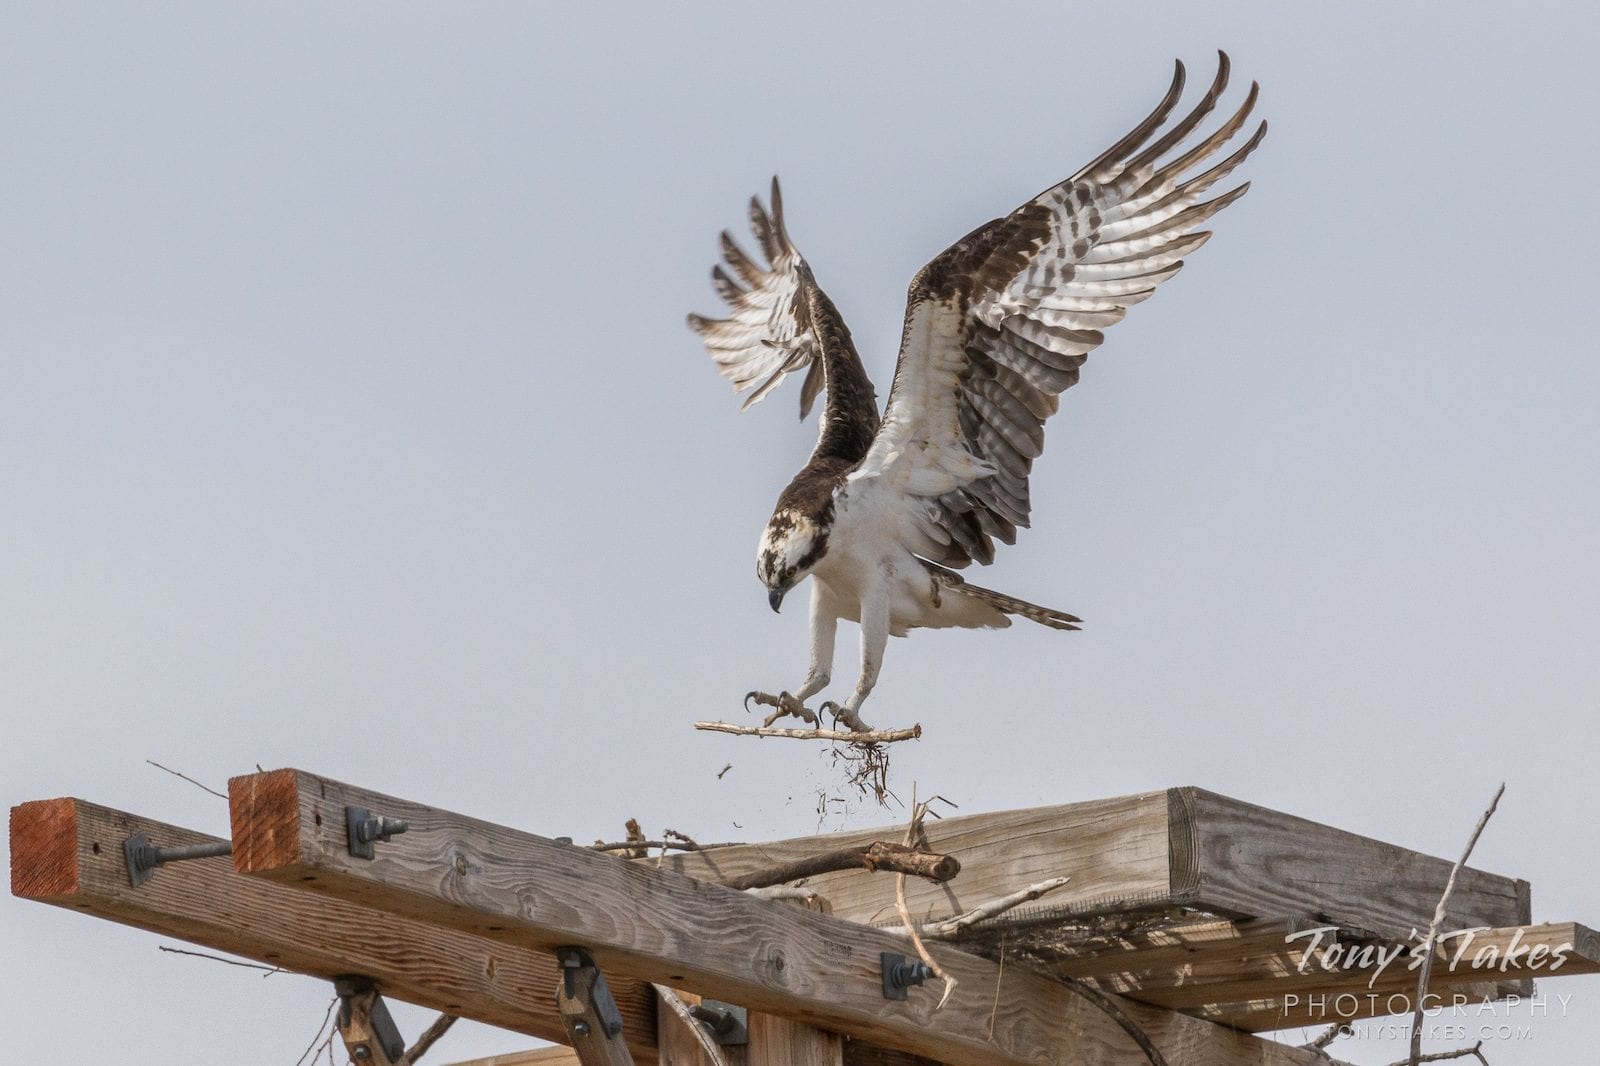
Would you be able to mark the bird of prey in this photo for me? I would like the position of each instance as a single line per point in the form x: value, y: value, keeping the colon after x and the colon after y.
x: 996, y: 327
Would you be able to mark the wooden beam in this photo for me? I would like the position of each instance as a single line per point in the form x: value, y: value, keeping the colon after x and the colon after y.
x: 1182, y: 847
x: 68, y: 853
x: 1239, y: 858
x: 472, y: 876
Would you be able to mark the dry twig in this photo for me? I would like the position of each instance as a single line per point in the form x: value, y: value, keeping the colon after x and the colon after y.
x: 666, y: 845
x: 218, y: 958
x: 953, y: 927
x: 1475, y: 1051
x: 1433, y: 930
x: 186, y: 777
x: 432, y: 1033
x: 870, y: 736
x: 914, y: 833
x: 314, y: 1051
x: 800, y: 895
x: 1327, y: 1036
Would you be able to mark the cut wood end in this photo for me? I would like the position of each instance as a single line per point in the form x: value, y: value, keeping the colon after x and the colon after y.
x: 264, y: 819
x: 44, y: 849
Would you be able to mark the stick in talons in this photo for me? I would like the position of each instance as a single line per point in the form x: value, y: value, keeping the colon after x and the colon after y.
x: 870, y: 736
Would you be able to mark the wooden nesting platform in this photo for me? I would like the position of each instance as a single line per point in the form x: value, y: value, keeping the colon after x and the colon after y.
x: 1204, y: 919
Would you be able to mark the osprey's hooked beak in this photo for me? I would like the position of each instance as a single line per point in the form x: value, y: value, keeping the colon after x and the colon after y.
x: 775, y: 598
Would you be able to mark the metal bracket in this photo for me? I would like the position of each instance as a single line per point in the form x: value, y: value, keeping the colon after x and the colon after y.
x: 379, y: 1025
x: 573, y: 962
x: 366, y: 828
x: 143, y: 857
x: 899, y: 975
x: 728, y: 1024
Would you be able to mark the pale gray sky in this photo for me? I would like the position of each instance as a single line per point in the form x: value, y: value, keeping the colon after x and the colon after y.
x: 348, y: 421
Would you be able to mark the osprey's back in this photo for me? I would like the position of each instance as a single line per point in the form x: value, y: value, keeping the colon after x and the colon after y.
x: 996, y: 328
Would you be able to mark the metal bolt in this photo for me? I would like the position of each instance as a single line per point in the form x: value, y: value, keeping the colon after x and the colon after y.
x: 379, y: 828
x: 143, y: 857
x: 906, y: 974
x: 361, y: 1053
x: 580, y: 1028
x: 717, y: 1020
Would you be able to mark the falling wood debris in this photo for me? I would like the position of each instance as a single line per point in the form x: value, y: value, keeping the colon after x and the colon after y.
x: 1166, y: 926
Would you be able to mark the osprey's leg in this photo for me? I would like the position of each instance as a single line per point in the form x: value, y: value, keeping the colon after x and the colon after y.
x: 874, y: 638
x: 824, y: 628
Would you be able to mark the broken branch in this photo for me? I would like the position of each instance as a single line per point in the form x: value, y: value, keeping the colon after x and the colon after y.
x: 1438, y: 921
x: 432, y: 1033
x: 953, y: 927
x: 891, y: 858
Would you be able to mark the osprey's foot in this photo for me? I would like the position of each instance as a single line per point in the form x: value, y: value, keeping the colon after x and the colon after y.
x: 843, y: 714
x: 785, y: 706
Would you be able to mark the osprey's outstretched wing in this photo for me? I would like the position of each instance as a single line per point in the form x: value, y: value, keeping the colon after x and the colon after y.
x: 998, y: 324
x: 780, y: 322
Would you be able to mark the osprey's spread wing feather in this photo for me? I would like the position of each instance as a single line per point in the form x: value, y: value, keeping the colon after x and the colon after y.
x: 998, y: 324
x: 780, y: 321
x: 771, y: 330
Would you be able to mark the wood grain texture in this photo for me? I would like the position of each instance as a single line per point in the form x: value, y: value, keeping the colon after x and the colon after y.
x: 1179, y: 847
x: 531, y: 892
x: 778, y: 1041
x: 44, y: 858
x: 1115, y: 851
x: 69, y: 853
x: 1247, y: 860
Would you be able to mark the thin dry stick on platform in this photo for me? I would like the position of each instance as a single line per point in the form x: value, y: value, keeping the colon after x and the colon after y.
x: 869, y: 736
x: 882, y: 855
x: 1434, y: 926
x: 953, y: 927
x: 665, y: 845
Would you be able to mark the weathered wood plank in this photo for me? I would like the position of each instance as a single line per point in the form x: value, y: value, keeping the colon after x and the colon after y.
x: 1237, y: 858
x: 491, y: 881
x: 1179, y: 847
x: 68, y: 853
x: 1115, y: 850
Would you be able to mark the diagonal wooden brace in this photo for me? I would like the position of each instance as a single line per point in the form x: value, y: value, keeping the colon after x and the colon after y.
x: 365, y: 1025
x: 594, y: 1024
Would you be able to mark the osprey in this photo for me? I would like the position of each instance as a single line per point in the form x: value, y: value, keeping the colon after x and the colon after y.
x: 996, y: 327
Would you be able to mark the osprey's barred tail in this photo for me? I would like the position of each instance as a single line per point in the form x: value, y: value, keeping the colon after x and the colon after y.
x: 945, y: 578
x: 1045, y: 616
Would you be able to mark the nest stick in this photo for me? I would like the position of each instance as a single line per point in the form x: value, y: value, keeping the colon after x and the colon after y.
x: 868, y: 736
x: 892, y: 858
